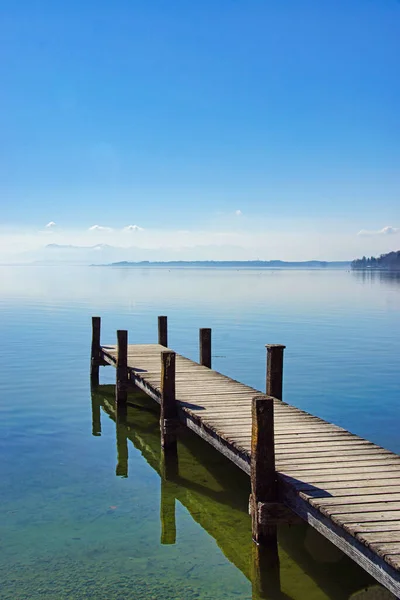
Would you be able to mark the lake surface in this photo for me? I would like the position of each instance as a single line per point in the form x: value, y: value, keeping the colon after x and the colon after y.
x: 85, y: 510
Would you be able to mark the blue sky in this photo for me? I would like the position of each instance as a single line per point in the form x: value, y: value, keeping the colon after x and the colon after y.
x: 279, y: 119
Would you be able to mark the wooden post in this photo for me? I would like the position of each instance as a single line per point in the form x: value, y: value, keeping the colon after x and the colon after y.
x: 275, y: 370
x: 122, y: 370
x: 163, y: 331
x: 169, y: 412
x: 96, y: 351
x: 264, y: 488
x: 205, y: 347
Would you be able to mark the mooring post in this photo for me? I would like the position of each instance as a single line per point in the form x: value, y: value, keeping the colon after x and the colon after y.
x: 264, y: 485
x: 169, y: 411
x: 163, y: 331
x: 205, y: 347
x: 122, y: 371
x: 96, y: 351
x: 275, y: 370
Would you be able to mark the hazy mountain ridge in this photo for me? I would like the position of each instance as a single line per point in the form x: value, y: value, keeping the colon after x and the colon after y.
x: 132, y: 256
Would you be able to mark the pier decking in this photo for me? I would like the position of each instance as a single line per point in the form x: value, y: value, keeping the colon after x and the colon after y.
x: 344, y: 486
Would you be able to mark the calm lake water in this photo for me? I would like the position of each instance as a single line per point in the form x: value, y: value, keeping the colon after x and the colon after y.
x: 84, y: 511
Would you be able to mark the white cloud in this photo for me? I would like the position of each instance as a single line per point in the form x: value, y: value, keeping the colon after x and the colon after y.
x: 99, y: 228
x: 50, y: 225
x: 238, y: 213
x: 133, y: 228
x: 385, y: 231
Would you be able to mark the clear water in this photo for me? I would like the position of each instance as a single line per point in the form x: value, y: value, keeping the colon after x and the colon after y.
x: 86, y: 514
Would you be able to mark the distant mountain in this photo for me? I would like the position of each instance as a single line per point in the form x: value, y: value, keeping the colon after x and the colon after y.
x: 388, y: 262
x: 271, y: 264
x: 133, y: 256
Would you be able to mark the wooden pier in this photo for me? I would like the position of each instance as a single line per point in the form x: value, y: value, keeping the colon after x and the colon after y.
x: 344, y: 486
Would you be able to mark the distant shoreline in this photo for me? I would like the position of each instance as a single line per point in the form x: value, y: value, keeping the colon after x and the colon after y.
x: 269, y: 264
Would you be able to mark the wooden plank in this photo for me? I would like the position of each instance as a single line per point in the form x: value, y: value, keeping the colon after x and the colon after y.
x: 359, y: 488
x: 381, y: 537
x: 352, y: 501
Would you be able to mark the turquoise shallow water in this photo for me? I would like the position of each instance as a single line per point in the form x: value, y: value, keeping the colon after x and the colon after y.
x: 73, y: 528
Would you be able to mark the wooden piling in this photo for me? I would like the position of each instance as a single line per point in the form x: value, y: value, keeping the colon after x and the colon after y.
x: 169, y: 411
x: 122, y: 370
x: 205, y: 347
x: 95, y: 351
x: 264, y: 488
x: 275, y: 370
x: 163, y: 331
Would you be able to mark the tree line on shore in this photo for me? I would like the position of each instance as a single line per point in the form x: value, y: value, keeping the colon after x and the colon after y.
x: 390, y: 261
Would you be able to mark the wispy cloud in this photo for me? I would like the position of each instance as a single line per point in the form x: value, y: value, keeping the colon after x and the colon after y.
x: 238, y: 213
x: 50, y: 225
x: 133, y: 228
x: 99, y: 228
x: 385, y: 231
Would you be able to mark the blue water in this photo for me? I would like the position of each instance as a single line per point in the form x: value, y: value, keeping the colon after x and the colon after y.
x: 71, y: 528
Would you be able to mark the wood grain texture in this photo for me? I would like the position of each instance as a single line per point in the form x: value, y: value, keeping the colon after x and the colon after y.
x: 346, y: 487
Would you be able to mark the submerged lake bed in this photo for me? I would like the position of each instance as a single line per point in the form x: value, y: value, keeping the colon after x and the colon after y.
x: 81, y: 507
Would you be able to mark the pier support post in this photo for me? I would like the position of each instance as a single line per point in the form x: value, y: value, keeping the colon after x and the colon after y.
x: 275, y: 370
x: 163, y: 331
x: 169, y: 412
x: 95, y: 352
x: 205, y: 347
x: 264, y: 485
x: 122, y: 372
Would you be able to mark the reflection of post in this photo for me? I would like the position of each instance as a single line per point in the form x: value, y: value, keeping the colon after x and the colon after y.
x: 167, y: 512
x: 266, y: 582
x: 169, y: 470
x: 122, y: 448
x: 96, y: 412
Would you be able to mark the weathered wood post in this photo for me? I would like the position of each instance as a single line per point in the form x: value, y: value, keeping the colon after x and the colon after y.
x: 275, y: 370
x: 264, y: 506
x: 264, y: 485
x: 95, y: 351
x: 169, y: 411
x: 205, y: 347
x: 163, y: 331
x: 122, y: 371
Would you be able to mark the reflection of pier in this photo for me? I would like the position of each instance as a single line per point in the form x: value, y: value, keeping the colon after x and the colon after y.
x: 216, y: 495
